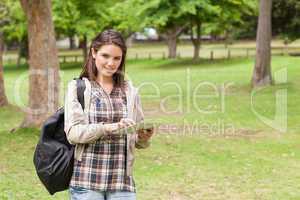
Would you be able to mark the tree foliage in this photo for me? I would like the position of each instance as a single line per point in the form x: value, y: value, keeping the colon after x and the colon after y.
x: 15, y: 28
x: 286, y: 18
x: 168, y: 17
x: 94, y: 16
x: 230, y: 16
x: 124, y: 18
x: 285, y: 21
x: 163, y: 14
x: 65, y: 17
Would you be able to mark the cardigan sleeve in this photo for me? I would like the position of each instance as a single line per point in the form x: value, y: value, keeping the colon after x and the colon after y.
x: 76, y: 126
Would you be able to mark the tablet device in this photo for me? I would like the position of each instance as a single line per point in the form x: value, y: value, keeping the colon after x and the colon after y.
x: 134, y: 128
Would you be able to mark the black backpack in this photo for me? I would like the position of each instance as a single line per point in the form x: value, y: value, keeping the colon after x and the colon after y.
x: 54, y: 155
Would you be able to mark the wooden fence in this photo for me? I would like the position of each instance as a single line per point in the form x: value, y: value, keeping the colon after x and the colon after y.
x: 211, y: 54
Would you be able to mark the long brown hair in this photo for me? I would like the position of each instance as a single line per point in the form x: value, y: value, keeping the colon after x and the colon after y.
x: 104, y: 38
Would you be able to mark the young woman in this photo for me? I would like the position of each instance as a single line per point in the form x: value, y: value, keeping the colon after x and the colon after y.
x: 103, y: 159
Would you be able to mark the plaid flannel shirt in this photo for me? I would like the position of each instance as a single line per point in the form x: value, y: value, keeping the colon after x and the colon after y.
x: 103, y: 163
x: 80, y: 132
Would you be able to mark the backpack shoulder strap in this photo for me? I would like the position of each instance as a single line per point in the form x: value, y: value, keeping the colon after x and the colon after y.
x: 80, y: 91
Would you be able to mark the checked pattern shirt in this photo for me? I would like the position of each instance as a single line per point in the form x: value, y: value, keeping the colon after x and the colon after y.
x: 103, y: 164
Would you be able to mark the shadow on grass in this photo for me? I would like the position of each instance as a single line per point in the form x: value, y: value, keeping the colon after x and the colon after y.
x: 71, y: 65
x: 20, y: 136
x: 14, y: 67
x: 26, y: 132
x: 267, y: 90
x: 12, y: 117
x: 23, y: 67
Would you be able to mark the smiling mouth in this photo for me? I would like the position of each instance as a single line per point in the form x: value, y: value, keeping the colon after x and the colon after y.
x: 109, y: 69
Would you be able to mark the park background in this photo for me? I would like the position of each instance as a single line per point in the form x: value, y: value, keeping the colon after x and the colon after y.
x: 220, y: 77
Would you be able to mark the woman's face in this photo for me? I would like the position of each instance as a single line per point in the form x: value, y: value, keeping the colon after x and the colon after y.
x: 108, y: 59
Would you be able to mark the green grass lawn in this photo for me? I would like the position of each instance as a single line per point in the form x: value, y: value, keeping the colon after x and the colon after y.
x: 218, y: 149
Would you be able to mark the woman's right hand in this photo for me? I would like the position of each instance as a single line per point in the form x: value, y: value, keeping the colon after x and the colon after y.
x: 109, y: 128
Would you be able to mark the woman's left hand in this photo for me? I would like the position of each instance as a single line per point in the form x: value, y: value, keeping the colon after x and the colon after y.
x: 145, y: 134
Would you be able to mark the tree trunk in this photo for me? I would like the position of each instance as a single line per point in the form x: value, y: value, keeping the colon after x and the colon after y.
x: 72, y: 42
x: 262, y: 70
x: 43, y: 62
x: 23, y: 50
x: 172, y: 34
x: 83, y: 46
x: 172, y: 45
x: 19, y: 55
x: 196, y: 41
x: 129, y: 40
x: 226, y: 39
x: 3, y: 98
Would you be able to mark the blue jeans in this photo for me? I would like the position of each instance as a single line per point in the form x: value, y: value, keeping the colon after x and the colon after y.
x: 78, y: 193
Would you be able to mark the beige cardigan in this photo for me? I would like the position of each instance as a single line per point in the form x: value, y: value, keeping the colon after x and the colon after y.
x: 80, y: 132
